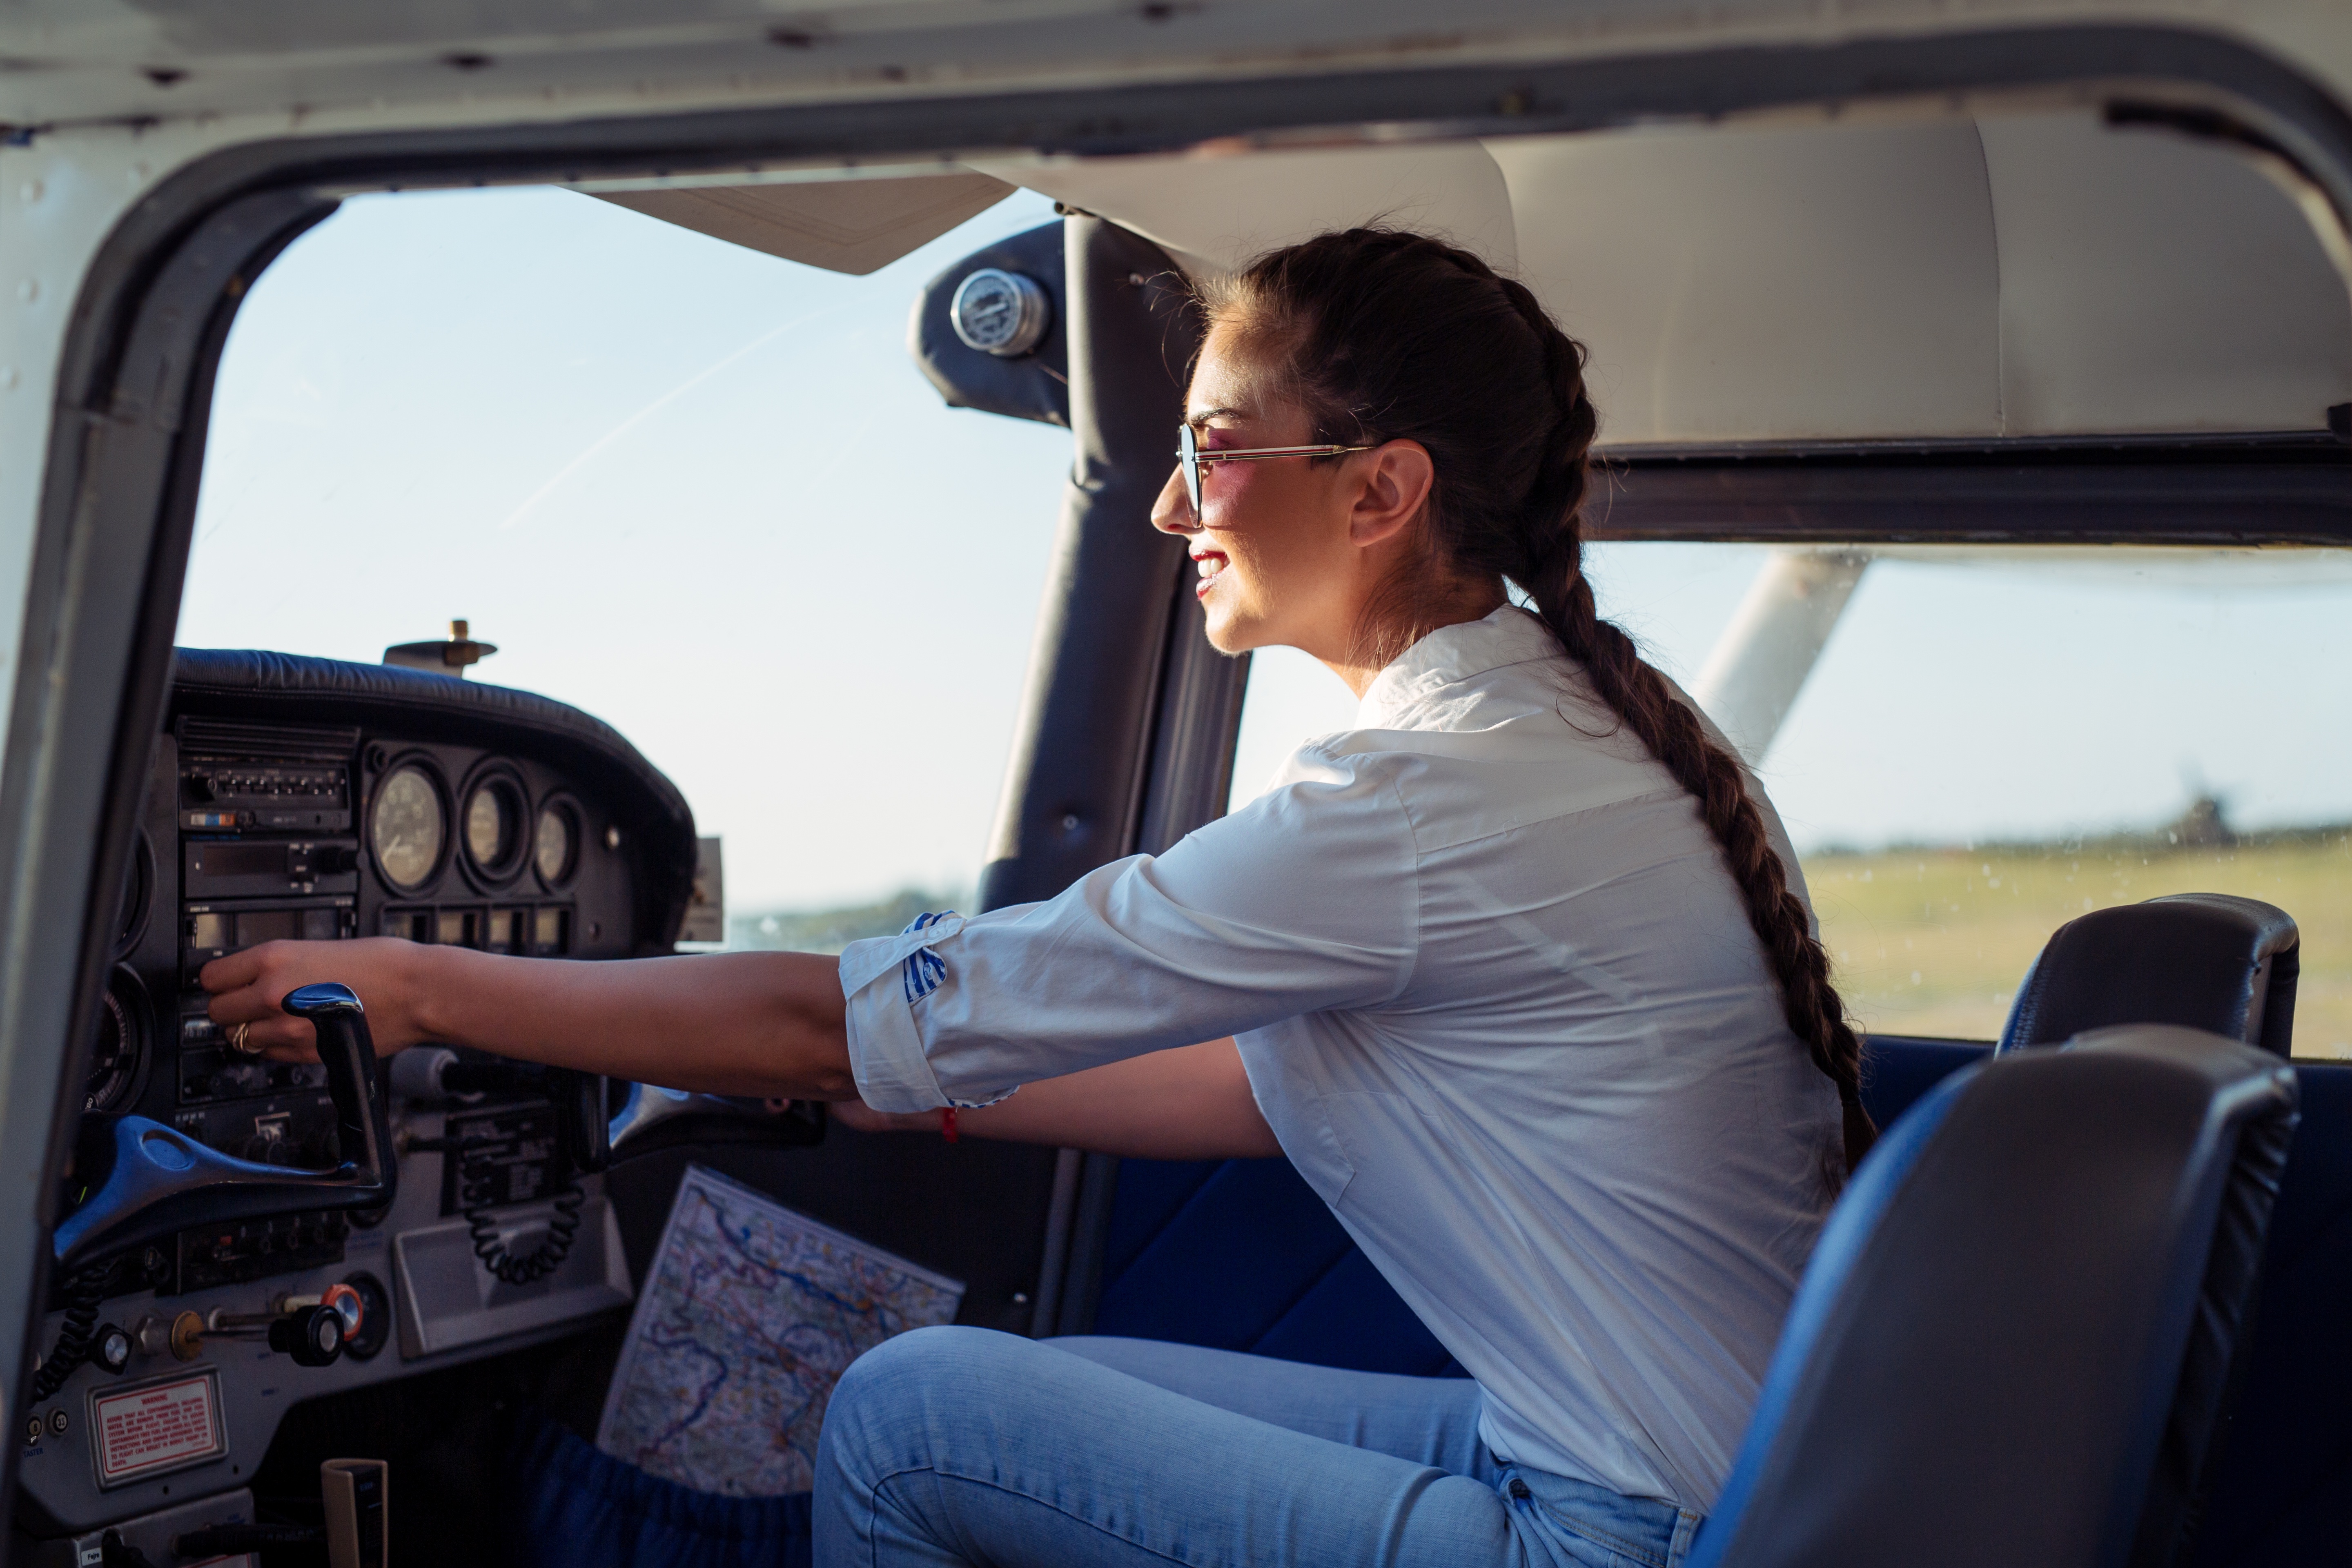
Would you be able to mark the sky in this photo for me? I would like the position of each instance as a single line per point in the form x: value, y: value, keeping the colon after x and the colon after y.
x: 704, y: 494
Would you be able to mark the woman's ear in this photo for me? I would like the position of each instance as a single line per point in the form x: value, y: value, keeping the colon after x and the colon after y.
x: 1397, y: 478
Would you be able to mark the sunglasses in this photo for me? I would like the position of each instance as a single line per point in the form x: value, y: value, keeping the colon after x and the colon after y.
x: 1192, y: 459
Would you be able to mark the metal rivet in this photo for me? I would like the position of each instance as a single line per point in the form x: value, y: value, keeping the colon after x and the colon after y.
x: 29, y: 191
x: 1070, y: 822
x: 30, y: 290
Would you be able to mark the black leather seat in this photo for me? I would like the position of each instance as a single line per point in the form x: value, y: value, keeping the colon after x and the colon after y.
x: 1985, y: 1361
x: 2204, y: 960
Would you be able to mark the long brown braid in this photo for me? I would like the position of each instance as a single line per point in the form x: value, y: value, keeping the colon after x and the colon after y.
x: 1384, y: 335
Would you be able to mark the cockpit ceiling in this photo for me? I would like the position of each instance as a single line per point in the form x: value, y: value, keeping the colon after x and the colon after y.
x: 2031, y: 275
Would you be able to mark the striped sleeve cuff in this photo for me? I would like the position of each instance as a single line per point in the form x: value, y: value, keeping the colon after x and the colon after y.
x: 879, y: 980
x: 882, y: 979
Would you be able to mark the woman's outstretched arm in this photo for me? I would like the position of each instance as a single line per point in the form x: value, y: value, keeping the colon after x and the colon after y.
x: 1190, y: 1103
x: 726, y: 1022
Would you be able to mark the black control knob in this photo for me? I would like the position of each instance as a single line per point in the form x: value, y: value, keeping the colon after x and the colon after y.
x: 334, y: 859
x: 313, y: 1336
x: 111, y: 1349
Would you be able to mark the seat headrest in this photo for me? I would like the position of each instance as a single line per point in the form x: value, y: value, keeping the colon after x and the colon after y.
x: 2201, y: 960
x: 1985, y: 1358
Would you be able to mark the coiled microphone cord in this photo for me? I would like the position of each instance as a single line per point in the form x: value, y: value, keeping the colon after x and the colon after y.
x: 541, y: 1261
x: 86, y: 1291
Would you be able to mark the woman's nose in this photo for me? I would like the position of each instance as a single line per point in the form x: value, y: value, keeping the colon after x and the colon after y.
x: 1173, y: 513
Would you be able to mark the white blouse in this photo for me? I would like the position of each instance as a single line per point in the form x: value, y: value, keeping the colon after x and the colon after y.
x: 1498, y: 998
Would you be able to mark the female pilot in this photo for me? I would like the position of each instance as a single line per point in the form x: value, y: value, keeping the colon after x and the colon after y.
x: 1517, y: 973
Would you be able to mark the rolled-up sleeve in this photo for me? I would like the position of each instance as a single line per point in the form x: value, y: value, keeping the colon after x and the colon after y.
x: 1303, y: 900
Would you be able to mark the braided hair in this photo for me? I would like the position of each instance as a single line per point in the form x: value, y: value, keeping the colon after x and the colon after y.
x: 1383, y: 334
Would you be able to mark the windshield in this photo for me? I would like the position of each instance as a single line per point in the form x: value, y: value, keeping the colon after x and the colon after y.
x: 697, y: 491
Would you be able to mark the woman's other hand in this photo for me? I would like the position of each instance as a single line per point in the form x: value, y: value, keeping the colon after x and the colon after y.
x: 863, y: 1118
x: 1190, y: 1103
x: 248, y: 987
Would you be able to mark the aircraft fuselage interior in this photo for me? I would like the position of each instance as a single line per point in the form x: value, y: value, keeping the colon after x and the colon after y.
x: 1954, y: 311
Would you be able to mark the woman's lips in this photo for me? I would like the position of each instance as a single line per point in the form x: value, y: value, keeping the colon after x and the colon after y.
x: 1211, y: 564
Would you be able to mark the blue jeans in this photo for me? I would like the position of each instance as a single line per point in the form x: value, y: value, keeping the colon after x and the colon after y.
x: 964, y: 1446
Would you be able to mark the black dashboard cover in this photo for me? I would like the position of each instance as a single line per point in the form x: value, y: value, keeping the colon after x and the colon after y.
x: 261, y: 686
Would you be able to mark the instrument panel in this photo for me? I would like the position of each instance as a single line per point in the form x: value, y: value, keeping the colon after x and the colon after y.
x: 360, y: 803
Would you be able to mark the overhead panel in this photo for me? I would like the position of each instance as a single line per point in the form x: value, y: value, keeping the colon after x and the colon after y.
x: 1213, y: 212
x: 852, y: 226
x: 2153, y: 283
x: 1794, y: 283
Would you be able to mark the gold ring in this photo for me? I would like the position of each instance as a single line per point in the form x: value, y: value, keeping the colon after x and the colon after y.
x: 237, y: 1034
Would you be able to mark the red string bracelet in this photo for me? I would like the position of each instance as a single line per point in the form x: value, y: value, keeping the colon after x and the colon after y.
x: 948, y: 1124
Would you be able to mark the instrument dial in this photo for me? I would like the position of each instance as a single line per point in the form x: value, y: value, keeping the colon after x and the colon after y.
x: 493, y: 818
x: 486, y: 827
x: 405, y: 828
x: 552, y: 843
x: 1000, y: 312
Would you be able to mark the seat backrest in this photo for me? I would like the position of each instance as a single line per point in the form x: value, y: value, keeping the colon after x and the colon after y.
x: 2203, y: 961
x: 1987, y: 1353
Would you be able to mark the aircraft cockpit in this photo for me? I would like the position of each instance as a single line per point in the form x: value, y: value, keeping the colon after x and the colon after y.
x: 1975, y: 454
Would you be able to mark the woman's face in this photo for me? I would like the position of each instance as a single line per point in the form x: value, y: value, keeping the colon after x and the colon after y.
x: 1288, y: 548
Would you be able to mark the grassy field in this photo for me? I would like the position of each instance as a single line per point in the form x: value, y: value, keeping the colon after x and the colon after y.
x: 1934, y: 942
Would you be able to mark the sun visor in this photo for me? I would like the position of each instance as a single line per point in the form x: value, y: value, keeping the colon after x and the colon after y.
x: 1021, y: 383
x: 842, y: 225
x: 1214, y: 213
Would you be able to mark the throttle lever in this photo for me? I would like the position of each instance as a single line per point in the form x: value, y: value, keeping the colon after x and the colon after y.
x: 362, y: 1129
x: 161, y: 1180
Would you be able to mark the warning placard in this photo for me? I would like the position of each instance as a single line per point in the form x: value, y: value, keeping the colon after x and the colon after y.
x: 161, y: 1426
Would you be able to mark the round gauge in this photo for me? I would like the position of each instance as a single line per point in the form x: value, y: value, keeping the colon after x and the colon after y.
x: 489, y: 825
x: 114, y: 1055
x: 493, y: 824
x: 553, y: 844
x: 405, y: 829
x: 1000, y: 312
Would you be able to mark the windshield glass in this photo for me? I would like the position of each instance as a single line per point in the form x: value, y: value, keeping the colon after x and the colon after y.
x: 698, y: 491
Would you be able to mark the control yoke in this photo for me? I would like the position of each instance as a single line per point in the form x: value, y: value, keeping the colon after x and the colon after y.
x: 156, y: 1180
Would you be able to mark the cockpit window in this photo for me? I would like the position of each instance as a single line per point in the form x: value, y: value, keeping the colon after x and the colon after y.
x: 695, y: 489
x: 1984, y: 743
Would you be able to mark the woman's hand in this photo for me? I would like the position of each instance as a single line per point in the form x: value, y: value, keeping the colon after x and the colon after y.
x: 248, y: 987
x: 726, y: 1022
